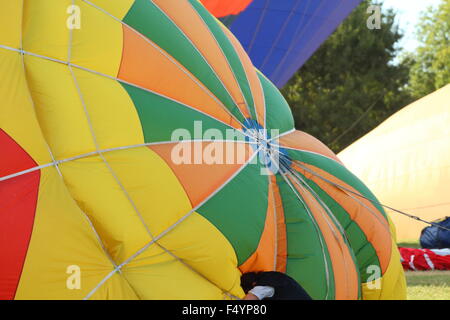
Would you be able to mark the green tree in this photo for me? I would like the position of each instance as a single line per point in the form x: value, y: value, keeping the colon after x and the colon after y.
x: 351, y: 83
x: 430, y: 68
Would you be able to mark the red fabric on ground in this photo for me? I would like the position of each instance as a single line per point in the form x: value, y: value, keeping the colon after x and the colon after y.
x: 423, y: 259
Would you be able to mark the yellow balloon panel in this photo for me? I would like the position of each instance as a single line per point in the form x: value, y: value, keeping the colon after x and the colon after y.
x: 17, y: 115
x: 392, y: 285
x: 97, y: 192
x: 59, y: 109
x: 118, y: 9
x: 11, y: 20
x: 45, y: 28
x: 171, y: 280
x: 63, y: 246
x: 152, y: 186
x: 114, y: 288
x: 202, y: 246
x: 114, y: 217
x: 97, y: 42
x: 114, y: 119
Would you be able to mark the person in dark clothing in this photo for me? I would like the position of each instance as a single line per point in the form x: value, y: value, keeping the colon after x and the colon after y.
x: 272, y: 285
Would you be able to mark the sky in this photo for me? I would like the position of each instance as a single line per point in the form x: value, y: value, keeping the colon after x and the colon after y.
x: 407, y: 17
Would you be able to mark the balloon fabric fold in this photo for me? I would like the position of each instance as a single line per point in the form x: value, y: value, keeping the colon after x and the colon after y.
x: 98, y: 198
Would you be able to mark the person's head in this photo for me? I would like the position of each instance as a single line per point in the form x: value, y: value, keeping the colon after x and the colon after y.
x: 248, y: 281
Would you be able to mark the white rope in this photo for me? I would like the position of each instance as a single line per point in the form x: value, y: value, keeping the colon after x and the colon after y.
x: 282, y: 168
x: 322, y: 205
x: 168, y: 57
x: 118, y: 181
x: 204, y: 58
x: 170, y: 228
x: 280, y: 135
x: 347, y: 191
x: 327, y: 275
x: 54, y: 162
x: 245, y: 102
x: 275, y: 215
x: 93, y: 153
x: 121, y: 81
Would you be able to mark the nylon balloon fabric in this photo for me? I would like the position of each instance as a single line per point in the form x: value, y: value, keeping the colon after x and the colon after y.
x: 409, y: 137
x: 281, y: 35
x: 98, y: 200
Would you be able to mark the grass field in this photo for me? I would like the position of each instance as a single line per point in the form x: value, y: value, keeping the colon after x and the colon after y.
x: 426, y: 285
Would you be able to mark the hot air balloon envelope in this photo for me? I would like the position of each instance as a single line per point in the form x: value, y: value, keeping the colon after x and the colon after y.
x: 280, y: 36
x: 405, y: 161
x: 117, y: 122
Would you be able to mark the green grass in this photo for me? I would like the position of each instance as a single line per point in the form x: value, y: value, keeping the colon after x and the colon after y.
x: 409, y: 244
x: 426, y: 285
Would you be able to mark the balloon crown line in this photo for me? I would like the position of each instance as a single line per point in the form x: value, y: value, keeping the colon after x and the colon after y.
x: 375, y: 201
x: 284, y: 163
x: 288, y: 168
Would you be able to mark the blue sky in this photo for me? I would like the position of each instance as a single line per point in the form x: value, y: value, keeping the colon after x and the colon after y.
x: 407, y: 18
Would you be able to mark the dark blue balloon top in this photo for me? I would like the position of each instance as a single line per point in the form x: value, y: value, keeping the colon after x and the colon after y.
x: 281, y: 35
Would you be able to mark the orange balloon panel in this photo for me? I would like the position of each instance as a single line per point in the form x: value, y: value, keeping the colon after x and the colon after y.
x: 406, y: 162
x: 224, y: 8
x: 144, y: 157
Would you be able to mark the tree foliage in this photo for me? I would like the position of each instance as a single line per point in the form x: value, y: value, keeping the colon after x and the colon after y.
x: 430, y: 65
x: 350, y: 84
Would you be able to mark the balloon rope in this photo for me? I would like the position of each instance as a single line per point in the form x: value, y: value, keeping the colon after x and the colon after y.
x: 357, y: 121
x: 369, y: 199
x: 358, y: 194
x: 283, y: 169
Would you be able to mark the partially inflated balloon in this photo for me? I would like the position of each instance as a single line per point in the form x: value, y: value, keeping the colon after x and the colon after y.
x: 220, y: 8
x: 406, y: 161
x: 99, y: 199
x: 281, y: 35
